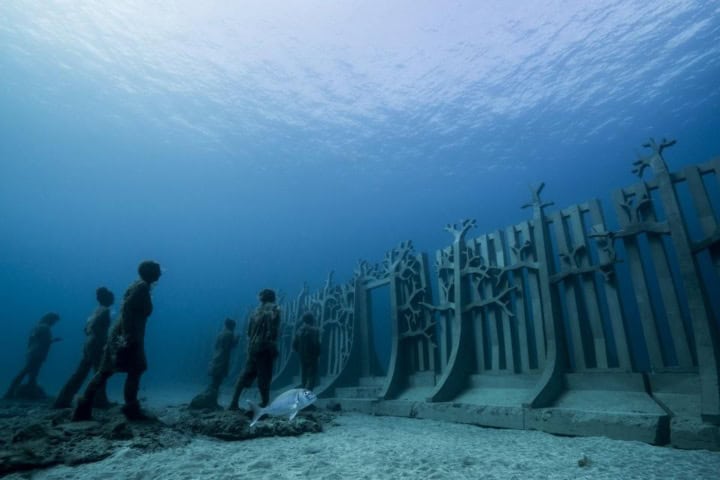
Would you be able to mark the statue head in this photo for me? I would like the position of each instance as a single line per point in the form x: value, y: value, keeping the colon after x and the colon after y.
x: 230, y: 324
x: 308, y: 318
x: 266, y: 295
x: 50, y: 318
x: 149, y: 271
x: 104, y: 297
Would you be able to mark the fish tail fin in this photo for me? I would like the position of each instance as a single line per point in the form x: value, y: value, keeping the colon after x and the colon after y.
x: 256, y: 411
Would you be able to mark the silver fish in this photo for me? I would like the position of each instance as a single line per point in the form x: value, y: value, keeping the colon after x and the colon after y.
x: 287, y: 403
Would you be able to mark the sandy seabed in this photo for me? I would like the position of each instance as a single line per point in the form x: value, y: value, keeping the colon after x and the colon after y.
x: 367, y: 447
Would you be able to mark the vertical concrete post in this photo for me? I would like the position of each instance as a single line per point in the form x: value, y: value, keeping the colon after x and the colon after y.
x: 455, y: 377
x: 551, y: 383
x: 706, y: 340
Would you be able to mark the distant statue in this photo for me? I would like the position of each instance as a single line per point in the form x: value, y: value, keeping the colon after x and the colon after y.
x: 262, y: 349
x: 225, y: 343
x: 37, y: 351
x: 96, y: 331
x: 307, y: 345
x: 125, y: 349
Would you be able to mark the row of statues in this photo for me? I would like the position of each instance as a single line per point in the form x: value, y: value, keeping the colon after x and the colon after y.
x: 120, y: 348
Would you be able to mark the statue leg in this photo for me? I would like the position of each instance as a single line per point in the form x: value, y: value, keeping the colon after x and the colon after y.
x: 264, y: 378
x: 303, y: 374
x: 83, y: 409
x: 72, y: 386
x: 245, y: 380
x: 16, y: 383
x: 312, y: 375
x: 33, y: 370
x: 131, y: 409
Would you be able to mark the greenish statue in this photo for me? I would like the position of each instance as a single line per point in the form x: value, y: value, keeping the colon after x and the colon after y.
x: 125, y: 349
x: 37, y: 351
x: 96, y: 334
x: 225, y: 343
x: 262, y: 334
x: 307, y: 345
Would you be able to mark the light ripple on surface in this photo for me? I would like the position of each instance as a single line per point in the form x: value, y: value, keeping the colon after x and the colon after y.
x: 389, y: 73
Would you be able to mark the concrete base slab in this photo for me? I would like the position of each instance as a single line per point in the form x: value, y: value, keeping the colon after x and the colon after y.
x: 482, y: 415
x: 415, y: 394
x: 690, y: 433
x: 359, y: 405
x: 679, y: 393
x: 612, y: 402
x: 614, y: 406
x: 648, y: 428
x: 395, y: 408
x: 605, y: 404
x: 498, y: 397
x: 357, y: 392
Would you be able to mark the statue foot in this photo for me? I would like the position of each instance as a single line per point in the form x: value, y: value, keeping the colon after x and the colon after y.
x: 135, y: 413
x: 82, y: 412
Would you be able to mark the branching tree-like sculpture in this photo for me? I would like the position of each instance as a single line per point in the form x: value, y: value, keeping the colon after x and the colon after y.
x: 333, y: 307
x: 291, y: 312
x: 402, y: 263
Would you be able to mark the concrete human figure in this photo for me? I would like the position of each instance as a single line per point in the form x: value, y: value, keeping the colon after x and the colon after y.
x: 96, y: 334
x: 262, y: 334
x: 225, y: 343
x: 125, y: 348
x: 307, y: 345
x: 38, y: 348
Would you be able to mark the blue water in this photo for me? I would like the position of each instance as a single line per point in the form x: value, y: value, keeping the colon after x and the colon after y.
x: 262, y: 144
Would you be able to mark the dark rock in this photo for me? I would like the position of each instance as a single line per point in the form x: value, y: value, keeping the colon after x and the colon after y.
x: 58, y: 419
x: 333, y: 406
x: 232, y: 425
x: 135, y: 414
x: 119, y: 431
x: 44, y: 437
x: 34, y: 431
x: 204, y: 401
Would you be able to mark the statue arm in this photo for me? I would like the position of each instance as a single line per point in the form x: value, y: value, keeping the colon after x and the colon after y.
x: 276, y: 324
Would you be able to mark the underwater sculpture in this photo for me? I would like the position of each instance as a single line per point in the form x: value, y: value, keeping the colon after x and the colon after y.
x: 307, y: 345
x: 96, y: 330
x: 225, y: 343
x: 262, y: 335
x: 37, y: 351
x: 287, y: 403
x: 125, y: 349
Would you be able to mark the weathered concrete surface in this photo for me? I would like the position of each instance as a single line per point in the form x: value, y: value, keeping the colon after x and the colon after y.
x: 648, y: 428
x: 595, y: 404
x: 690, y: 433
x: 359, y: 405
x: 680, y: 394
x: 395, y: 408
x: 482, y: 415
x: 607, y: 404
